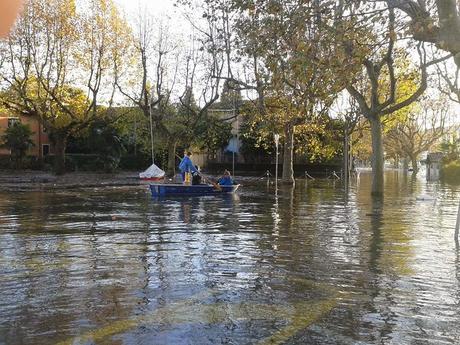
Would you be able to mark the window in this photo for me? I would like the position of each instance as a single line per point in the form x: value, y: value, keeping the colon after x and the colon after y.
x: 12, y: 121
x: 46, y: 149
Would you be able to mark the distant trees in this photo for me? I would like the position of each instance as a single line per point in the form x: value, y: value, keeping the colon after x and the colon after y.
x: 66, y: 61
x: 292, y: 57
x: 420, y: 130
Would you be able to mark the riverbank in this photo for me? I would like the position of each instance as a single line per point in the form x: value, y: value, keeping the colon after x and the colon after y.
x: 19, y: 180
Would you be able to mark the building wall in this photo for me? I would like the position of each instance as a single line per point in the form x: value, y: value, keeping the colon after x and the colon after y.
x: 39, y: 136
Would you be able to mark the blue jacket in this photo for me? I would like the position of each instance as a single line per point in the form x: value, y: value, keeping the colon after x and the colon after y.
x: 186, y: 165
x: 225, y: 181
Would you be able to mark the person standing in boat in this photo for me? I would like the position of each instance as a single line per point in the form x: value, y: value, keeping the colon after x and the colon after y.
x: 186, y: 165
x: 226, y: 179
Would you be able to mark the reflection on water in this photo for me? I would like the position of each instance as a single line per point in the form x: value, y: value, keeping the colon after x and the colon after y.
x: 310, y: 265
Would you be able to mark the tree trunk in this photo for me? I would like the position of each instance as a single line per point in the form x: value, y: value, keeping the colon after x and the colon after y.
x: 377, y: 156
x: 405, y: 164
x: 171, y: 171
x: 288, y: 155
x: 414, y: 165
x: 59, y: 154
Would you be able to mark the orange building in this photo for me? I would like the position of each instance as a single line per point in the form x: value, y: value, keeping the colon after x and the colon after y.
x: 43, y: 146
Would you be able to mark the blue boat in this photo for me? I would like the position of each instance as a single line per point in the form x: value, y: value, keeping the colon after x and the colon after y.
x: 160, y: 189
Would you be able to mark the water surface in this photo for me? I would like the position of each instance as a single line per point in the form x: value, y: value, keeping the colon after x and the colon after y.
x: 311, y: 265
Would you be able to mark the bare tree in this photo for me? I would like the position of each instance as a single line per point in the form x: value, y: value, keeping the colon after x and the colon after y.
x: 422, y: 128
x: 381, y: 98
x: 433, y: 21
x: 156, y: 57
x: 176, y: 71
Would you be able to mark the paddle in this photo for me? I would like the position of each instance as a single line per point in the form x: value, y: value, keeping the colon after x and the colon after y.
x: 214, y: 184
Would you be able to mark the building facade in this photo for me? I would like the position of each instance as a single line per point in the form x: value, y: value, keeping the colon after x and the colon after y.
x: 40, y: 137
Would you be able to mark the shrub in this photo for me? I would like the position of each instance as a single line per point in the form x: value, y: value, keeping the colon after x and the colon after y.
x: 451, y: 172
x: 135, y: 162
x: 17, y: 139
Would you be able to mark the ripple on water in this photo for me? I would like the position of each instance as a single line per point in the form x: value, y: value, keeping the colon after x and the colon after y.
x: 308, y: 266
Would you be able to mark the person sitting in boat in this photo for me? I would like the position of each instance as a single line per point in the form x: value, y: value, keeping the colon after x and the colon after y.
x: 196, y: 178
x: 186, y: 165
x: 226, y: 179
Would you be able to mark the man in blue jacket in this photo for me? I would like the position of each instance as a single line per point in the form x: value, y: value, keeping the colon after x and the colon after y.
x: 186, y: 165
x: 226, y: 179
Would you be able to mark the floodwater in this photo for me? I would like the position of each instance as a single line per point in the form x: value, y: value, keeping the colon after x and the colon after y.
x: 310, y: 266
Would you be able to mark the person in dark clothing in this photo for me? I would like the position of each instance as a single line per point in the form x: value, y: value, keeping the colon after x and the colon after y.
x: 196, y: 178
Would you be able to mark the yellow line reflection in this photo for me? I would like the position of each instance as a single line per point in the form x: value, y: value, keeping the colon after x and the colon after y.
x: 298, y: 315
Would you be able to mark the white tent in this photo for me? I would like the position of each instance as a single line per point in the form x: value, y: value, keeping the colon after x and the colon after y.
x: 152, y: 173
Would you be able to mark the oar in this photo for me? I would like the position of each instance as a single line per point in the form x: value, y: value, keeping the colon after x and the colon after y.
x: 214, y: 184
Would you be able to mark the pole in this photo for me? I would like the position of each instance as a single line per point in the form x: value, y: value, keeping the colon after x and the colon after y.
x: 346, y: 164
x: 151, y: 132
x: 277, y: 138
x: 135, y: 137
x: 235, y: 143
x: 236, y: 148
x: 457, y: 225
x: 233, y: 162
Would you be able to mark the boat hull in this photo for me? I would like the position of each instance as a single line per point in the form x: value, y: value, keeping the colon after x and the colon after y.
x: 152, y: 179
x: 159, y: 189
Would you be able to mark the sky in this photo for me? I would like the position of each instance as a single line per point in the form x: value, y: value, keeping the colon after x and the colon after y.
x: 156, y: 7
x: 165, y: 10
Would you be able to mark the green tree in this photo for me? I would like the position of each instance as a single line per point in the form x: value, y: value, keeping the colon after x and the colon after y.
x: 212, y: 134
x: 451, y: 150
x: 107, y: 142
x: 17, y: 139
x: 293, y: 56
x: 54, y: 47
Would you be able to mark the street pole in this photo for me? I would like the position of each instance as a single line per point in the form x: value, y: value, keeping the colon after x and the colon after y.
x: 346, y: 155
x: 151, y: 131
x: 277, y: 139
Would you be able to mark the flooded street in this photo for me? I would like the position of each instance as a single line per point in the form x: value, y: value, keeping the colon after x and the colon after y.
x: 310, y: 266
